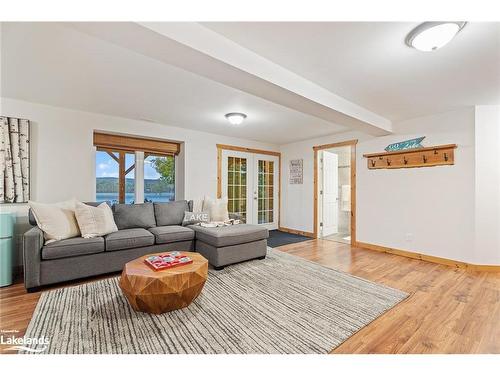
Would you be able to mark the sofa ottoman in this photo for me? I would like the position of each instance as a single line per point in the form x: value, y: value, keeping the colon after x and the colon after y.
x: 231, y: 244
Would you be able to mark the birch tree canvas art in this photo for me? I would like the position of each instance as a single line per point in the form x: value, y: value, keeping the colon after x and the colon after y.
x: 14, y: 160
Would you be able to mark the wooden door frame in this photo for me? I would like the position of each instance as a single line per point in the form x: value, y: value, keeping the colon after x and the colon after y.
x: 352, y: 144
x: 221, y: 147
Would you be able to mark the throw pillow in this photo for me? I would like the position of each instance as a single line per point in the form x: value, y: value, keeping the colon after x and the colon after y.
x: 216, y: 208
x: 197, y: 205
x: 195, y: 218
x: 170, y: 213
x: 139, y: 215
x: 57, y: 221
x: 95, y: 221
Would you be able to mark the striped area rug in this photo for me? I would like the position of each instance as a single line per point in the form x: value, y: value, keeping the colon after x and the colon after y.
x: 282, y: 304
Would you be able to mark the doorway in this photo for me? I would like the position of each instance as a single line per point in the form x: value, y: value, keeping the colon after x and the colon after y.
x: 250, y: 180
x: 335, y: 189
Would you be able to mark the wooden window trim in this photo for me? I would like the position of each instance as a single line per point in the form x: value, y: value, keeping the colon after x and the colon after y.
x: 115, y: 142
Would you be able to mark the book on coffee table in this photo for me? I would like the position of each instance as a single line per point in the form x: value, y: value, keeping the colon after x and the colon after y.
x: 167, y: 260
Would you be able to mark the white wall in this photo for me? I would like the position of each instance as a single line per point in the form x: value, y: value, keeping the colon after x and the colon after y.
x: 487, y: 174
x: 425, y: 210
x: 63, y: 155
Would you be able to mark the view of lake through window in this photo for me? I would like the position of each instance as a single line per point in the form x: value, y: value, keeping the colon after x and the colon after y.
x: 159, y: 177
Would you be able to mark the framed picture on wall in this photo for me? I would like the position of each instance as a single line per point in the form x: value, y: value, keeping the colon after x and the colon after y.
x: 296, y: 171
x: 14, y: 160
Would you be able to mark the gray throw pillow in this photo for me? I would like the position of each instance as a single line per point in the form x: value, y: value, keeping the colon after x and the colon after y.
x: 134, y: 215
x: 170, y: 213
x: 191, y: 218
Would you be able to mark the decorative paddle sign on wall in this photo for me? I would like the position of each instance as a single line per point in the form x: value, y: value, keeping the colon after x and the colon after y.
x: 405, y: 145
x: 413, y: 157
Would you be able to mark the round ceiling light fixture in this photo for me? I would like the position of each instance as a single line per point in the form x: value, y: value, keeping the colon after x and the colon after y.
x: 430, y: 36
x: 235, y: 118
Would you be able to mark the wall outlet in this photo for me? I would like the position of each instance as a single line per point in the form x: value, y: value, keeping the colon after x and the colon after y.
x: 409, y: 237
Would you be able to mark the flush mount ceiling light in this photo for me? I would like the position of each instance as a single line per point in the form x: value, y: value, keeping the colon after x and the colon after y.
x: 430, y: 36
x: 235, y: 118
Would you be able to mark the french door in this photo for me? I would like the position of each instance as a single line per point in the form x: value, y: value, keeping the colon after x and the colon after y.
x: 250, y: 182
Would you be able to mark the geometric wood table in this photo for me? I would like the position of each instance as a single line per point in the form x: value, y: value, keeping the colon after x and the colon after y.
x: 161, y: 291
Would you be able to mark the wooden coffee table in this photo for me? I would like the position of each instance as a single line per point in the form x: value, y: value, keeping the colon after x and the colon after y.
x: 161, y: 291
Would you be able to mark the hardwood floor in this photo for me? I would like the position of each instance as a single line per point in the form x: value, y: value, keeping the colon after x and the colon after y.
x: 449, y: 310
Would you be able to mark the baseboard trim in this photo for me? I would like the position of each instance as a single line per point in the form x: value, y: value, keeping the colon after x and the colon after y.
x: 295, y: 231
x: 429, y: 258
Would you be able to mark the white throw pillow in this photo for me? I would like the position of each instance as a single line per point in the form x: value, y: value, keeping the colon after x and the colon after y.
x: 95, y: 221
x: 216, y: 208
x: 57, y: 220
x: 197, y: 205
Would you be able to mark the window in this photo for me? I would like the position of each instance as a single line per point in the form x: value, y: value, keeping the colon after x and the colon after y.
x: 115, y: 177
x: 120, y: 158
x: 106, y: 173
x: 159, y: 178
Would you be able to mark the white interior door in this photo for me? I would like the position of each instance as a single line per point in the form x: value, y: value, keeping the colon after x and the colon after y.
x: 330, y: 165
x: 250, y: 181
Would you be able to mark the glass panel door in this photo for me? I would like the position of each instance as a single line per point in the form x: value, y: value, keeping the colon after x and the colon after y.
x: 237, y: 186
x: 250, y: 182
x: 266, y: 191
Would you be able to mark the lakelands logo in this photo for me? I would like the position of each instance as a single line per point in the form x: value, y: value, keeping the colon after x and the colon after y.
x: 29, y: 344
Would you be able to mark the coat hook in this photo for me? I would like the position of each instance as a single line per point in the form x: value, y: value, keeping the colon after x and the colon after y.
x: 405, y: 160
x: 388, y: 162
x: 445, y: 156
x: 373, y: 162
x: 435, y: 152
x: 425, y: 158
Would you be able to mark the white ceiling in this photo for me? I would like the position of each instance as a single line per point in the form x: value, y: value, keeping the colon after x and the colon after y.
x: 54, y: 64
x: 366, y: 63
x: 369, y: 64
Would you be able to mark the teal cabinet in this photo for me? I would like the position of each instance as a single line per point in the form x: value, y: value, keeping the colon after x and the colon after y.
x: 6, y: 248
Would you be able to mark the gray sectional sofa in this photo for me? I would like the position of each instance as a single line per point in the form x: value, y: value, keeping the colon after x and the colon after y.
x: 143, y: 229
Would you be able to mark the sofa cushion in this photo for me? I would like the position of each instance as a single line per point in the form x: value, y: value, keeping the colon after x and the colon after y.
x: 134, y: 215
x: 230, y: 235
x: 172, y: 233
x: 128, y: 239
x: 73, y: 247
x: 170, y: 213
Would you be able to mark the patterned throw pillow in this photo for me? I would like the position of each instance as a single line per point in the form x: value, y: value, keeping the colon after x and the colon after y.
x: 95, y: 221
x: 195, y: 218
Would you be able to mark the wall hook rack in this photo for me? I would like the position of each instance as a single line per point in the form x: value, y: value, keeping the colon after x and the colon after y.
x: 413, y: 158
